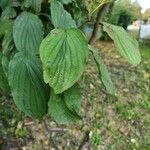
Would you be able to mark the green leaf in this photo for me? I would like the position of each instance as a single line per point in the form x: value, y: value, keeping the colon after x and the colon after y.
x: 5, y: 25
x: 34, y: 4
x: 4, y: 3
x: 103, y: 73
x: 13, y: 3
x: 8, y: 43
x: 29, y: 91
x: 64, y: 107
x: 16, y: 3
x: 5, y: 64
x: 7, y: 50
x: 60, y: 17
x: 125, y: 43
x: 73, y: 98
x: 3, y: 80
x: 66, y: 1
x: 28, y: 32
x: 64, y: 54
x: 8, y: 13
x: 94, y: 5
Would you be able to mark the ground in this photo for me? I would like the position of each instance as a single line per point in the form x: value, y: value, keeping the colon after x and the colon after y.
x: 108, y: 123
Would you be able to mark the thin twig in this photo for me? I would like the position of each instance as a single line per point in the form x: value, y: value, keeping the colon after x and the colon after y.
x: 58, y: 130
x: 86, y: 143
x: 84, y: 23
x: 29, y: 123
x: 97, y: 26
x: 51, y: 141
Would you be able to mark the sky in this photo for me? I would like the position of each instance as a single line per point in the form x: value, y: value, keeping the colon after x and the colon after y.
x: 144, y: 4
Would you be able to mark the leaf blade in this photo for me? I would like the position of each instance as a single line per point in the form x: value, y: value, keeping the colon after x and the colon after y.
x: 103, y: 73
x: 5, y: 26
x: 8, y: 13
x: 28, y: 32
x: 29, y: 91
x: 3, y: 79
x: 60, y: 17
x: 34, y: 4
x: 64, y: 54
x: 66, y: 1
x: 64, y: 107
x: 93, y: 5
x: 125, y: 44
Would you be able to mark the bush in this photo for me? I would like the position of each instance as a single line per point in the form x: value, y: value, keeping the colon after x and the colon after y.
x: 124, y: 12
x: 44, y: 54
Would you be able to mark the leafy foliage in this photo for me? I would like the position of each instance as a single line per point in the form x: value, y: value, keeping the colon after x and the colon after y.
x: 64, y: 54
x: 7, y: 44
x: 60, y: 17
x: 64, y: 107
x: 8, y: 13
x: 28, y: 32
x: 103, y: 73
x: 5, y: 25
x: 146, y: 14
x: 3, y: 80
x: 4, y: 3
x: 43, y: 69
x: 124, y: 12
x: 126, y: 44
x: 34, y: 4
x: 27, y: 86
x: 66, y: 1
x: 93, y: 5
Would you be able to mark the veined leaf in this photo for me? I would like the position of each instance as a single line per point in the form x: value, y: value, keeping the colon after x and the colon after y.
x: 28, y: 32
x: 125, y: 43
x: 60, y: 17
x: 7, y: 50
x: 35, y: 4
x: 103, y: 73
x: 4, y: 3
x: 64, y: 54
x: 8, y: 43
x: 66, y: 1
x: 64, y: 107
x: 94, y: 5
x: 15, y: 3
x: 12, y: 3
x: 5, y: 25
x: 29, y: 91
x: 5, y: 64
x: 8, y: 13
x: 73, y: 98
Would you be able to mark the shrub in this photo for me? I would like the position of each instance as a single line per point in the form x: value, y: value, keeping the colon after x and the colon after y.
x: 44, y: 53
x: 124, y: 12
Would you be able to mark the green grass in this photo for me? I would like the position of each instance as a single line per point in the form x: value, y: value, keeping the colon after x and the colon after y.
x: 145, y: 50
x: 114, y: 124
x: 128, y: 112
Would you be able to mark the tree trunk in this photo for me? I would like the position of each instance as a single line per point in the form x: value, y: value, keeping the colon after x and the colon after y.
x: 97, y: 26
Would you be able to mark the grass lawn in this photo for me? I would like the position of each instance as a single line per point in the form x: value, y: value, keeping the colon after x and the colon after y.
x: 121, y: 123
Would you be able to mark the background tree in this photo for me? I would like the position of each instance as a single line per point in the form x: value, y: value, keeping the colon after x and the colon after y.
x: 124, y: 12
x: 146, y: 14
